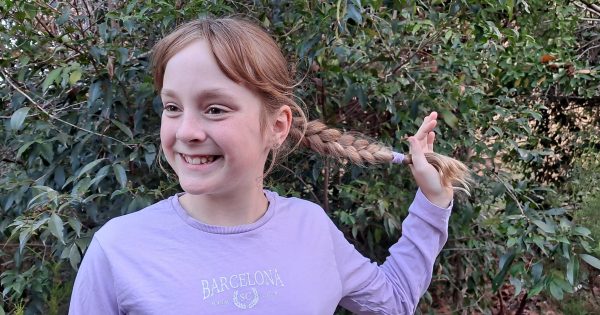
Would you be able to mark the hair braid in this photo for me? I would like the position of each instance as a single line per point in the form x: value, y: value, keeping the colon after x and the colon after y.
x: 352, y: 146
x: 360, y: 150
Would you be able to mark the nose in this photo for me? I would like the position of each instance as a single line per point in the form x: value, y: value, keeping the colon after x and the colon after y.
x: 190, y: 129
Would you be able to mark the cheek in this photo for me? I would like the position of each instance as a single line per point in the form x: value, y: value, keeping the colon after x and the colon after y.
x: 167, y: 136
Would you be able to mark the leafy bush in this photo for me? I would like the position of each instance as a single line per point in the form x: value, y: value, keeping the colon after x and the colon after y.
x: 512, y: 80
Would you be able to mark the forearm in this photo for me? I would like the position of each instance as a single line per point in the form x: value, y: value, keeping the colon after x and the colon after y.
x: 424, y: 233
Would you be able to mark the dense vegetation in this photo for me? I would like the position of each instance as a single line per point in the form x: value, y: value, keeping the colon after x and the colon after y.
x: 515, y: 81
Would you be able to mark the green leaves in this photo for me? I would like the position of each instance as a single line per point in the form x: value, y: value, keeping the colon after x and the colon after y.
x: 74, y: 76
x: 380, y: 65
x: 449, y: 118
x: 52, y: 78
x: 572, y: 270
x: 354, y: 11
x: 94, y: 92
x: 55, y: 225
x: 120, y: 174
x: 18, y: 117
x: 88, y: 167
x: 591, y: 260
x: 123, y: 128
x: 546, y: 227
x: 505, y: 263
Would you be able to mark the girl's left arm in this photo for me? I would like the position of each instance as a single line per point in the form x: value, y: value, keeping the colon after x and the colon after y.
x: 397, y: 285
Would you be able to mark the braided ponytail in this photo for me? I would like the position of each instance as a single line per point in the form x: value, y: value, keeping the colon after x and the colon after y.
x: 360, y: 150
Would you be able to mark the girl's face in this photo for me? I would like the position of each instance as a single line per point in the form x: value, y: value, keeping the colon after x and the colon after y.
x: 210, y: 130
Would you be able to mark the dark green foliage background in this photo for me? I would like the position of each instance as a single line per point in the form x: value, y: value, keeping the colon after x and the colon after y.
x: 79, y: 137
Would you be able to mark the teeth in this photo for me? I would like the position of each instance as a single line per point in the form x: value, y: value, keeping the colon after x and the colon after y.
x: 198, y: 160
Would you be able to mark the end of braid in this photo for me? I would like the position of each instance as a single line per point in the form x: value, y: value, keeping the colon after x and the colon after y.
x: 452, y: 172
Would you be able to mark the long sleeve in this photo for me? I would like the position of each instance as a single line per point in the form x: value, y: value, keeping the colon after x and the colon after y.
x: 396, y: 286
x: 94, y: 291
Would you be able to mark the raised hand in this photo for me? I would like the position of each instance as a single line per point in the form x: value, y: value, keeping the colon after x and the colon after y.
x: 426, y: 176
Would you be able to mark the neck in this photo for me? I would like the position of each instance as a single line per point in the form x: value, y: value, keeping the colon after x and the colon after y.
x: 225, y: 209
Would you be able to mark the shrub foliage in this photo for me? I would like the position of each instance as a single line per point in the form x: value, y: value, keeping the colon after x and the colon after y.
x: 515, y: 83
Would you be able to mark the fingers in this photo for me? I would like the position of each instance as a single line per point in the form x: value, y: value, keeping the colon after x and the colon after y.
x: 423, y: 126
x: 427, y: 126
x: 430, y: 140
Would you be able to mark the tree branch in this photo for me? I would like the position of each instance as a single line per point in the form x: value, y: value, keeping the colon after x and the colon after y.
x: 41, y: 108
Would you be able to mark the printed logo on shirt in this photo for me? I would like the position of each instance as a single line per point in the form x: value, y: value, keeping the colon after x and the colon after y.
x: 246, y: 299
x: 247, y: 288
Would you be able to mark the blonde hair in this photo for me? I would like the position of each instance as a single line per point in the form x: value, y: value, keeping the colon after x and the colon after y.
x: 248, y: 55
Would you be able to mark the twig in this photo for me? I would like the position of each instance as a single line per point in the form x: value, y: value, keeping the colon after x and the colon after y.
x: 588, y: 49
x: 85, y: 4
x: 28, y: 244
x: 58, y: 39
x: 501, y: 311
x: 41, y: 108
x: 467, y: 238
x: 13, y: 161
x: 415, y: 81
x: 415, y: 52
x: 457, y: 295
x: 586, y: 8
x: 522, y: 305
x: 593, y: 7
x: 473, y: 304
x: 74, y: 5
x: 459, y: 249
x: 513, y: 196
x: 302, y: 181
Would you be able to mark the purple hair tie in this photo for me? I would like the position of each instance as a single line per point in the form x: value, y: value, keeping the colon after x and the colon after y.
x: 400, y: 158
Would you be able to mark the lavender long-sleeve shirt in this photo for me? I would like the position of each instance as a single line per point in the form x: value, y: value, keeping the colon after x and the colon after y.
x: 293, y: 260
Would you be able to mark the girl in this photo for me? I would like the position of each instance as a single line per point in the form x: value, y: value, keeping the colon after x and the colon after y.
x: 227, y: 246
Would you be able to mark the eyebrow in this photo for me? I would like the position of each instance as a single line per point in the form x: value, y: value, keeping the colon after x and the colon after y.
x: 208, y: 93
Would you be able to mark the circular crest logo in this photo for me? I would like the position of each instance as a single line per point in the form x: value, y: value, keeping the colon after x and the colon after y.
x: 245, y: 299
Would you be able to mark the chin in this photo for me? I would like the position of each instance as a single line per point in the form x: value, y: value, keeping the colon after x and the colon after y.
x: 201, y: 188
x: 194, y: 188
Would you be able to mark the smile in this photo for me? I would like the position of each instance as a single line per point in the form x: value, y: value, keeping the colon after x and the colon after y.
x: 199, y: 159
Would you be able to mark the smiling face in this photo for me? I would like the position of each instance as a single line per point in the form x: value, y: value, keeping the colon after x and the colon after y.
x: 210, y: 128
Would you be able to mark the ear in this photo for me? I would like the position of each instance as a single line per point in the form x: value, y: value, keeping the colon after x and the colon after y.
x: 281, y: 123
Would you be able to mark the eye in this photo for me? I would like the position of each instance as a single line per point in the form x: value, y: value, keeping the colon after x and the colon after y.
x: 169, y: 107
x: 215, y: 110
